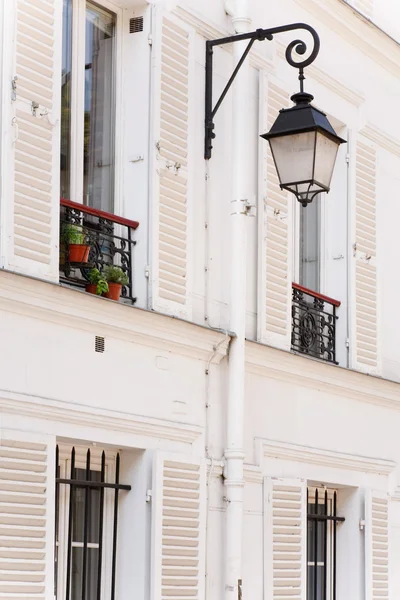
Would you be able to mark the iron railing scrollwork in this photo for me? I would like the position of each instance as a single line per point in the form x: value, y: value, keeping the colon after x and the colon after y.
x: 313, y: 324
x: 109, y: 237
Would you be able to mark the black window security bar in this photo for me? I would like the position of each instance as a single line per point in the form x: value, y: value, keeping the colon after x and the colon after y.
x: 314, y: 323
x: 322, y: 522
x: 86, y: 526
x: 108, y: 240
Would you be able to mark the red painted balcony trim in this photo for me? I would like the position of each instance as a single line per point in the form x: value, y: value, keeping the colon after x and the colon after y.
x: 99, y: 213
x: 296, y: 286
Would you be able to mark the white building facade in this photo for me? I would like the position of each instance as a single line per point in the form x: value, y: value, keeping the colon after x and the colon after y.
x: 229, y: 428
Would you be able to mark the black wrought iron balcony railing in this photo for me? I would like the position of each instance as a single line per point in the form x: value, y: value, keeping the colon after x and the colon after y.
x: 94, y: 239
x: 314, y: 323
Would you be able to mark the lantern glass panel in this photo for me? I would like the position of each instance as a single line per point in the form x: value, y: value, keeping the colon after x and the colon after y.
x: 325, y: 158
x: 294, y: 156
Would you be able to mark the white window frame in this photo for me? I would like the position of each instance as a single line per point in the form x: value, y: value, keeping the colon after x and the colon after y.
x: 63, y: 509
x: 78, y: 98
x: 322, y: 240
x: 329, y: 554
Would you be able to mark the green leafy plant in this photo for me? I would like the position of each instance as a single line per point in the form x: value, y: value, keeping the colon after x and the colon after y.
x: 73, y: 234
x: 113, y: 274
x: 96, y: 278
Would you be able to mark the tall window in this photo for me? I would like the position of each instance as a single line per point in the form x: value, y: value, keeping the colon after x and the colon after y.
x: 87, y: 491
x: 322, y: 523
x: 88, y: 104
x: 310, y: 245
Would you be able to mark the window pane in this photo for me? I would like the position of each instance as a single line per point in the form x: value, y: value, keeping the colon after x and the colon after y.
x: 91, y: 573
x: 316, y: 552
x: 65, y: 150
x: 98, y: 161
x: 310, y: 225
x: 319, y: 571
x: 79, y: 509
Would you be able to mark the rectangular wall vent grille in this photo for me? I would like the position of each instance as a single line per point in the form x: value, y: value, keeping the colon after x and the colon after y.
x: 99, y: 344
x: 136, y: 25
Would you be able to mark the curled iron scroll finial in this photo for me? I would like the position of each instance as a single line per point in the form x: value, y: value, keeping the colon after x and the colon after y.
x: 300, y: 47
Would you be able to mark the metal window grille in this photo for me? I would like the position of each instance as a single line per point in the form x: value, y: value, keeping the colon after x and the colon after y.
x: 85, y: 515
x: 322, y: 522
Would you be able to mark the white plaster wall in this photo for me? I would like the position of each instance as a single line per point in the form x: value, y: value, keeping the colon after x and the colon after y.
x: 59, y: 363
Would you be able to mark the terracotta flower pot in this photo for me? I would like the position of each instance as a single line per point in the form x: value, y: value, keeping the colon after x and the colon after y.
x: 91, y: 288
x: 78, y: 253
x: 114, y: 291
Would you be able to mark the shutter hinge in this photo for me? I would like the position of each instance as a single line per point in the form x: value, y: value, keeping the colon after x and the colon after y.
x: 362, y: 524
x: 149, y: 495
x: 147, y: 271
x: 347, y: 343
x: 14, y: 89
x: 137, y: 158
x: 240, y: 592
x: 150, y: 39
x: 348, y: 159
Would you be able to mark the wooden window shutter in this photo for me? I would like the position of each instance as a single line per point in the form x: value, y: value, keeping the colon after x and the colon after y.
x: 364, y: 249
x: 171, y: 165
x: 27, y: 519
x: 36, y: 152
x: 376, y: 546
x: 274, y: 304
x: 178, y: 528
x: 285, y: 538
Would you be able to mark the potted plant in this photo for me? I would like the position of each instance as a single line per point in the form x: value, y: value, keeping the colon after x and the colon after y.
x: 75, y: 239
x: 116, y: 278
x: 97, y: 284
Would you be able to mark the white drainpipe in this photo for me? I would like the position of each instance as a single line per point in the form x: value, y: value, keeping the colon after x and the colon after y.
x: 234, y: 453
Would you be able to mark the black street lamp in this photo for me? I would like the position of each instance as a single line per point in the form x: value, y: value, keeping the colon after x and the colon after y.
x: 303, y: 143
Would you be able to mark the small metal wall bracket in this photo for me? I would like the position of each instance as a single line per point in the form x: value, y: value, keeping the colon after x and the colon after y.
x: 243, y: 207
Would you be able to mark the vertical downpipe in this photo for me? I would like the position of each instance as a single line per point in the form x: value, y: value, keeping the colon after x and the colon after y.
x: 234, y: 453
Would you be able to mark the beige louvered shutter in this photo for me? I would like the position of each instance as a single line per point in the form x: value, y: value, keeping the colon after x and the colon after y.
x: 285, y: 531
x: 178, y: 528
x: 35, y: 149
x: 364, y: 250
x: 171, y: 166
x: 26, y: 519
x: 376, y: 546
x: 274, y: 296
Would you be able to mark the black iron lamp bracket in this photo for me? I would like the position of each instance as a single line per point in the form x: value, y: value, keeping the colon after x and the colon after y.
x: 259, y: 35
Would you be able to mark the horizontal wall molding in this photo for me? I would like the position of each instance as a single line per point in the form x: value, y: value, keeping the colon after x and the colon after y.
x: 326, y: 458
x: 73, y: 308
x: 25, y: 405
x: 381, y: 138
x: 357, y: 30
x: 301, y: 371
